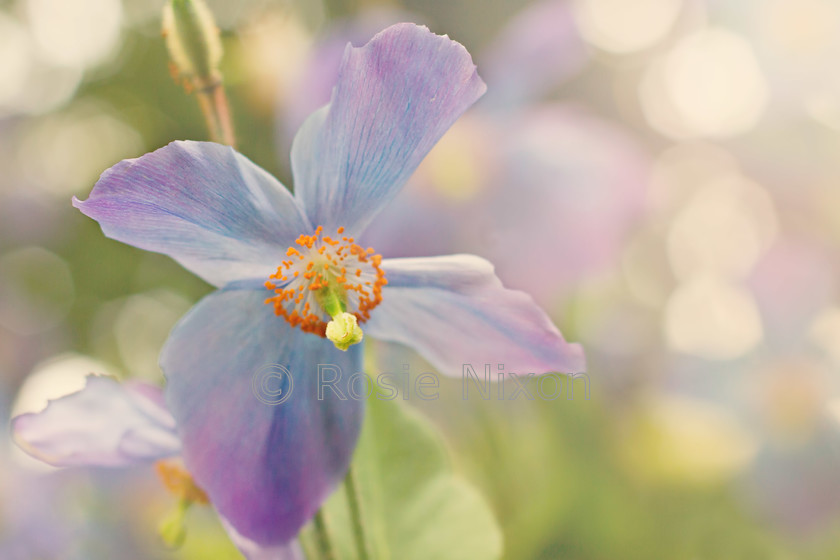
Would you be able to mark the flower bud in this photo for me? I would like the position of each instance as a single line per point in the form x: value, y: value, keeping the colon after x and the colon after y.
x: 344, y: 331
x: 192, y: 38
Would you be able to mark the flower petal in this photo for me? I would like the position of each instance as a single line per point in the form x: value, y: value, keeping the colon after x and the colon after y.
x: 454, y: 311
x: 312, y: 87
x: 203, y: 204
x: 105, y: 424
x: 395, y: 97
x: 266, y: 467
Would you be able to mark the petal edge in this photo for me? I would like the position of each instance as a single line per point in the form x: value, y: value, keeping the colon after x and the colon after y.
x: 394, y: 99
x: 455, y: 311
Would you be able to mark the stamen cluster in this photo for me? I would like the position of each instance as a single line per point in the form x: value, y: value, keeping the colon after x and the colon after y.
x: 323, y: 277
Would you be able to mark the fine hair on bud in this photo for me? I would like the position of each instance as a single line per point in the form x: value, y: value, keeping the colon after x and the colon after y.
x: 193, y: 40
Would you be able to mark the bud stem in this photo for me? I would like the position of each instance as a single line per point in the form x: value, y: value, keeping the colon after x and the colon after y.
x: 214, y: 104
x: 195, y: 47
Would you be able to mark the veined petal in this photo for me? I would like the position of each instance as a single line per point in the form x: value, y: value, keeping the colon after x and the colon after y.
x: 313, y: 87
x: 107, y: 423
x: 266, y: 465
x: 203, y: 204
x: 394, y: 99
x: 455, y: 311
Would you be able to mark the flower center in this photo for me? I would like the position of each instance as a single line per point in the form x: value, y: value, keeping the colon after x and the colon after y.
x: 327, y: 282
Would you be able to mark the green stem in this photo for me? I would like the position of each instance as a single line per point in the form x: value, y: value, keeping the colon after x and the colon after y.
x: 214, y: 104
x: 351, y: 486
x: 323, y: 536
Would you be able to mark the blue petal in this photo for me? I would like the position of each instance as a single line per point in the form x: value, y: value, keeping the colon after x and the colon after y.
x: 105, y: 424
x: 454, y: 311
x: 266, y: 467
x: 203, y: 204
x: 394, y: 99
x: 319, y: 70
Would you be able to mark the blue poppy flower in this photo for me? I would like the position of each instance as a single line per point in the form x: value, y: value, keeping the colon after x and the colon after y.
x: 295, y: 290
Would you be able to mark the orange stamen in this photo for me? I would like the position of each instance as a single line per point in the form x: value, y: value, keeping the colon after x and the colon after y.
x: 322, y: 263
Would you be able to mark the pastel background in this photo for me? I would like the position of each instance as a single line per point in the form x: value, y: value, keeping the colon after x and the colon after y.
x: 661, y: 175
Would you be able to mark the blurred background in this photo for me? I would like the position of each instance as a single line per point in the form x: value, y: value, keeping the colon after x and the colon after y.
x: 661, y: 175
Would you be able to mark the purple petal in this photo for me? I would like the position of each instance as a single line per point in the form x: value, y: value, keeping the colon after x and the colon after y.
x: 105, y: 424
x: 394, y: 98
x: 203, y: 204
x: 454, y: 311
x: 314, y: 86
x: 266, y: 467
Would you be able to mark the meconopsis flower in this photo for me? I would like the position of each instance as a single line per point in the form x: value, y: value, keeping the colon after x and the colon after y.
x: 295, y: 290
x: 109, y: 424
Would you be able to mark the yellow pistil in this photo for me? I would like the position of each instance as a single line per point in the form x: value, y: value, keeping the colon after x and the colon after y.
x: 344, y: 331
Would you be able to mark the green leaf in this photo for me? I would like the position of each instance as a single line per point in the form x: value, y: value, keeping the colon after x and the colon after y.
x: 413, y: 505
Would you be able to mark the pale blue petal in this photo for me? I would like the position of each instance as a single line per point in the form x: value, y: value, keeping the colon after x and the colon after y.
x: 105, y: 424
x: 313, y: 87
x: 454, y: 311
x: 394, y: 99
x: 203, y: 204
x: 266, y: 467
